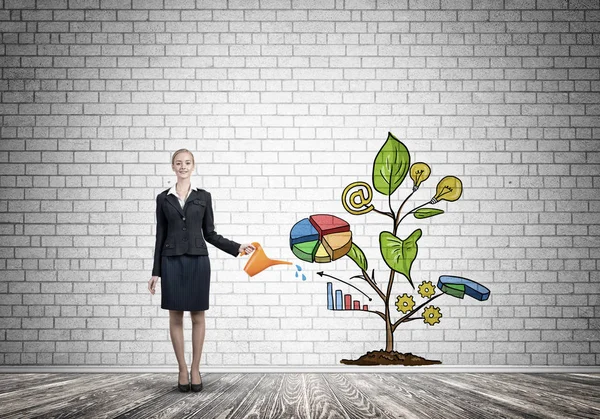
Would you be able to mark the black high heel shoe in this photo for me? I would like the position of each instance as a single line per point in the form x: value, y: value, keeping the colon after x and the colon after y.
x: 196, y: 387
x: 183, y: 387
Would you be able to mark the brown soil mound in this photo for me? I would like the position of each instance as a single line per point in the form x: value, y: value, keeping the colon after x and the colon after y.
x: 389, y: 358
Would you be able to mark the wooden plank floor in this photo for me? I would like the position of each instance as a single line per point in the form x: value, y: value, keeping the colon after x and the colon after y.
x: 373, y: 395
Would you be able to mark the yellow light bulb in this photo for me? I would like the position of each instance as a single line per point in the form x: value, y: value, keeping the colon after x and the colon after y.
x: 419, y: 172
x: 449, y: 189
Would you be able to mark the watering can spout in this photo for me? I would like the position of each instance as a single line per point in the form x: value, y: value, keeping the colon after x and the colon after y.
x: 259, y: 261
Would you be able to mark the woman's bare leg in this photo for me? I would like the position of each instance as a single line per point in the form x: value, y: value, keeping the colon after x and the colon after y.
x: 176, y: 330
x: 198, y: 332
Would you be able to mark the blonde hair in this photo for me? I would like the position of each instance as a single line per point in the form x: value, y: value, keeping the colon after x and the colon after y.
x: 182, y: 150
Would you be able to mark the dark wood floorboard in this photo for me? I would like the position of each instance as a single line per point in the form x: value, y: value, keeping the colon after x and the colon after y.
x: 385, y: 397
x: 39, y: 397
x: 302, y: 396
x: 225, y: 403
x: 356, y: 403
x: 478, y: 401
x: 321, y: 401
x: 172, y: 403
x: 519, y: 387
x: 107, y: 402
x: 12, y: 382
x: 290, y: 400
x: 258, y: 400
x: 420, y: 397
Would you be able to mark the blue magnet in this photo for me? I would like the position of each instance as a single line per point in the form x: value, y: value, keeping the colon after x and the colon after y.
x: 472, y: 288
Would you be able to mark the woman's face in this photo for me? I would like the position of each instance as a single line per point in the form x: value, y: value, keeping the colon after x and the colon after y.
x: 183, y: 166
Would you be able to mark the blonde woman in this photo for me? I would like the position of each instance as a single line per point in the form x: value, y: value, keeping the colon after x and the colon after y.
x: 184, y: 218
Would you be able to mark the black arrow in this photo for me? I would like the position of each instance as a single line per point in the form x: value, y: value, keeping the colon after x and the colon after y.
x: 337, y: 279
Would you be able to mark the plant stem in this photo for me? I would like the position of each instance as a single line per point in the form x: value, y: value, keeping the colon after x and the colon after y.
x: 396, y: 221
x: 411, y: 211
x: 372, y: 284
x: 389, y: 214
x: 406, y: 317
x: 389, y: 344
x: 396, y: 224
x: 379, y: 313
x: 390, y: 328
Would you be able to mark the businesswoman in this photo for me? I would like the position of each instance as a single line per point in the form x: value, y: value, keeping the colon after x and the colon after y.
x: 184, y: 218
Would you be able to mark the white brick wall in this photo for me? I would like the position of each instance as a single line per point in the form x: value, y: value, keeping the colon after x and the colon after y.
x: 284, y: 104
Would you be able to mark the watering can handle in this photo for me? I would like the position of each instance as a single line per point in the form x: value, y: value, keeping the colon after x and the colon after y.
x: 256, y: 246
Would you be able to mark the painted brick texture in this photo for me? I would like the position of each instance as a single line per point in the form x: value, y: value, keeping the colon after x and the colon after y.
x: 284, y: 103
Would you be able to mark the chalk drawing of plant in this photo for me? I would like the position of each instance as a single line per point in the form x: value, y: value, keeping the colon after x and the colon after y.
x: 391, y: 168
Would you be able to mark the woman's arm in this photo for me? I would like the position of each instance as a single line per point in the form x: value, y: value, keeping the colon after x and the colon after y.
x: 211, y: 236
x: 161, y: 235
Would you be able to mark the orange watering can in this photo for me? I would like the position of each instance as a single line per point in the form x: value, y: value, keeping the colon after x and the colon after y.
x: 259, y: 261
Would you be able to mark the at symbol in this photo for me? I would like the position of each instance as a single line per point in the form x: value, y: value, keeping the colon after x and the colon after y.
x: 357, y: 199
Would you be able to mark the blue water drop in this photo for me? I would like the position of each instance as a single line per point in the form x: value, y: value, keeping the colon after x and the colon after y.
x: 303, y: 277
x: 298, y: 267
x: 296, y: 274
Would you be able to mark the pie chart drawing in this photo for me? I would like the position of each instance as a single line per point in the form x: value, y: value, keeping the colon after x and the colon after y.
x: 458, y: 287
x: 321, y: 238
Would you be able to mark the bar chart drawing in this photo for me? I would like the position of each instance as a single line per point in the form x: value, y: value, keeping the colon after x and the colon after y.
x: 342, y: 301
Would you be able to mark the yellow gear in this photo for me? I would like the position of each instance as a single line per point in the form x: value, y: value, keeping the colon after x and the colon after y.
x: 405, y: 303
x: 432, y: 315
x: 426, y: 289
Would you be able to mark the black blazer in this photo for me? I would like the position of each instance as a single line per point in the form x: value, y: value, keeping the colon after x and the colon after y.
x: 180, y: 231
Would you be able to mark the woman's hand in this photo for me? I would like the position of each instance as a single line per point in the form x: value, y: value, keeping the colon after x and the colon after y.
x: 246, y: 248
x: 152, y: 284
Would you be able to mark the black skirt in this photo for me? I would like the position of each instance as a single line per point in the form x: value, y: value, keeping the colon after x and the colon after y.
x: 185, y: 282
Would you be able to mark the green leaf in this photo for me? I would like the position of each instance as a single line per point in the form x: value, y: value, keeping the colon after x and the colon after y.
x: 400, y: 254
x: 427, y: 212
x: 390, y: 166
x: 358, y: 257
